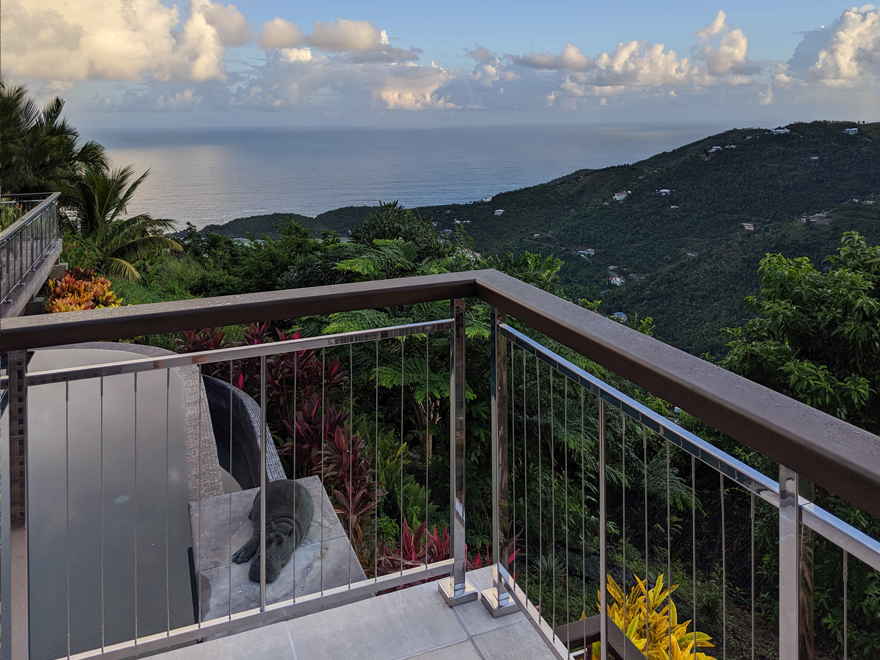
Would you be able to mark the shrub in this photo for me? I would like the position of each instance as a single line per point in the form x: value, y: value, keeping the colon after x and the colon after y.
x: 80, y: 289
x: 647, y: 622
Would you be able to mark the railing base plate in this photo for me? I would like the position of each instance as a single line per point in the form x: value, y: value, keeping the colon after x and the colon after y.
x: 507, y: 606
x: 447, y: 590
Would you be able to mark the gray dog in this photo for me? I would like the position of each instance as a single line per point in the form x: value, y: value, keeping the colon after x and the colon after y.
x: 289, y: 511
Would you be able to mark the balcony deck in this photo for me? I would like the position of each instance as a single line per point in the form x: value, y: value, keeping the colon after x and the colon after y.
x: 411, y: 623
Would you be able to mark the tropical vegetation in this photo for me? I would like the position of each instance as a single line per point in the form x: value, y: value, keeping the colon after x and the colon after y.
x: 40, y: 149
x: 119, y: 241
x: 80, y: 289
x: 651, y: 624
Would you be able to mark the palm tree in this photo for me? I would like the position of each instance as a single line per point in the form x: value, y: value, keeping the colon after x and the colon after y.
x: 104, y: 198
x: 40, y: 152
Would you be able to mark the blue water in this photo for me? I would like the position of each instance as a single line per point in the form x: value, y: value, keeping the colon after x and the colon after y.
x: 214, y: 175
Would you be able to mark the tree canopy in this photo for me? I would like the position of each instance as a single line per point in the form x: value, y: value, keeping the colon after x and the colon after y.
x: 40, y: 149
x: 816, y: 336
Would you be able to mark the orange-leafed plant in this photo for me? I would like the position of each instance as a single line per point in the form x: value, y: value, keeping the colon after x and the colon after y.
x: 80, y: 289
x: 648, y: 622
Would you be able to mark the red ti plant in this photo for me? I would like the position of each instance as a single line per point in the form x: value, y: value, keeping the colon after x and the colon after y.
x: 206, y: 339
x: 311, y: 430
x: 346, y: 470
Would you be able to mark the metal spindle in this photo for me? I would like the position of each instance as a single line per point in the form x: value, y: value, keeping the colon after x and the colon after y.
x: 540, y: 486
x: 295, y: 370
x: 751, y: 567
x: 694, y: 542
x: 668, y: 544
x: 67, y: 506
x: 723, y: 573
x: 525, y: 476
x: 583, y: 520
x: 512, y: 428
x: 376, y: 472
x: 263, y: 483
x: 623, y: 510
x: 565, y: 446
x: 350, y: 450
x: 103, y: 606
x: 427, y: 432
x: 845, y: 603
x: 400, y: 491
x: 136, y: 498
x: 168, y: 499
x: 645, y: 491
x: 553, y: 502
x: 603, y: 559
x: 323, y: 449
x: 229, y: 549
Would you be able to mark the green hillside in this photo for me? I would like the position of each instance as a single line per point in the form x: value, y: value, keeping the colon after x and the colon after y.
x: 770, y: 181
x: 338, y: 220
x: 685, y: 243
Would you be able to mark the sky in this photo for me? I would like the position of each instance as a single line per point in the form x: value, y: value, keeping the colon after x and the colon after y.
x: 123, y: 63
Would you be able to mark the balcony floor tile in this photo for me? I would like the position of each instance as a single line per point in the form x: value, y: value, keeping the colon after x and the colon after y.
x: 411, y: 624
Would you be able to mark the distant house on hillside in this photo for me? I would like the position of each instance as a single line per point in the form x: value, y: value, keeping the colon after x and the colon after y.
x: 499, y: 211
x: 622, y: 195
x: 779, y: 131
x: 664, y: 191
x: 693, y: 254
x: 616, y: 280
x: 620, y: 315
x: 851, y: 131
x: 749, y: 226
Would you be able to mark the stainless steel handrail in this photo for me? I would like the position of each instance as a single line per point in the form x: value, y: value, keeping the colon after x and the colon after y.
x: 24, y: 244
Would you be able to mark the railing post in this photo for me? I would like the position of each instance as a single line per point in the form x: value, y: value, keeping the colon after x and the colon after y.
x: 789, y: 564
x: 496, y: 599
x: 456, y: 590
x: 13, y: 457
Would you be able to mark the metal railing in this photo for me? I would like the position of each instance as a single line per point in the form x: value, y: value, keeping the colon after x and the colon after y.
x: 553, y: 424
x: 25, y: 243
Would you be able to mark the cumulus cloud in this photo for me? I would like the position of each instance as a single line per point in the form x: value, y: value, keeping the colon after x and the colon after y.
x: 132, y: 41
x: 630, y: 64
x: 724, y: 50
x: 360, y: 41
x: 413, y: 88
x: 571, y: 58
x: 852, y: 49
x: 489, y: 68
x: 279, y: 33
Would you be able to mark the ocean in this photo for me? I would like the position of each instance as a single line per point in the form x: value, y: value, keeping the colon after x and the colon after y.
x: 214, y: 175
